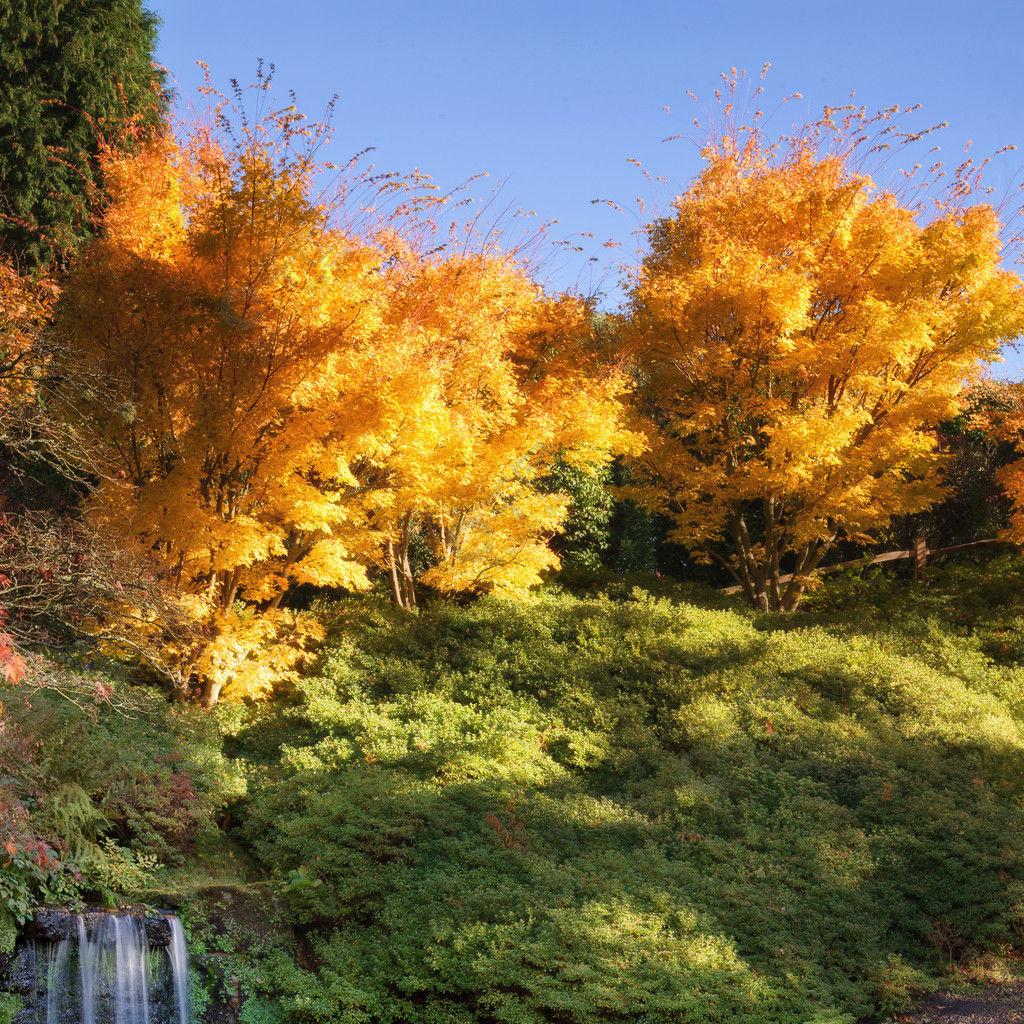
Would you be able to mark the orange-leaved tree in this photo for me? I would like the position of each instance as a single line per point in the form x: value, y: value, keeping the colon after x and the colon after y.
x: 232, y: 317
x: 1001, y: 417
x: 488, y: 381
x: 229, y: 311
x: 298, y: 395
x: 25, y: 304
x: 797, y: 329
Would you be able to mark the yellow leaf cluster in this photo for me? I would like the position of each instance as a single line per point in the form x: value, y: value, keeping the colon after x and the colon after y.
x: 25, y: 306
x: 253, y: 655
x: 492, y: 382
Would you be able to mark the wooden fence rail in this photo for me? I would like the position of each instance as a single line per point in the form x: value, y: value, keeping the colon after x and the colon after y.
x: 920, y: 552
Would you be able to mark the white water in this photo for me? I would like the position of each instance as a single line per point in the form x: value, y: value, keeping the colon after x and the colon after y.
x: 131, y: 959
x: 107, y: 974
x: 87, y: 974
x: 179, y: 968
x: 56, y: 969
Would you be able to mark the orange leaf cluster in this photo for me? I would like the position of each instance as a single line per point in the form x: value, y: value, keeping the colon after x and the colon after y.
x: 297, y: 402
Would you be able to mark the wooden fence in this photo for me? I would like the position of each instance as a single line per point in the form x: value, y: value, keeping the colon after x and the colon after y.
x: 920, y: 553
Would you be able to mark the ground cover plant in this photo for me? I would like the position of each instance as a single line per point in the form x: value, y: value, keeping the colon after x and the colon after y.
x: 103, y: 787
x: 609, y: 808
x: 627, y: 803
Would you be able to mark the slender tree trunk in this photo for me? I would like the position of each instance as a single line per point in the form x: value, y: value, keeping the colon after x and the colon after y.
x: 753, y: 577
x: 403, y: 583
x: 772, y: 543
x: 396, y: 587
x: 809, y: 559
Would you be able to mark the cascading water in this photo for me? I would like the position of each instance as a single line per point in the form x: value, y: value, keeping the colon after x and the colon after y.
x: 179, y: 969
x: 110, y: 967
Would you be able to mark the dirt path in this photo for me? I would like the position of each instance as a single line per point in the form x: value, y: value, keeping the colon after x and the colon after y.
x: 1001, y: 1004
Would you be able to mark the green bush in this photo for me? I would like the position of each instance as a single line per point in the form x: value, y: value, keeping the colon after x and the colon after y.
x: 639, y: 804
x: 10, y: 1005
x: 587, y: 810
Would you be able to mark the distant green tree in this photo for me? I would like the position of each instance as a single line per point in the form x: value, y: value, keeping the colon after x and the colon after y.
x: 585, y: 536
x: 71, y: 71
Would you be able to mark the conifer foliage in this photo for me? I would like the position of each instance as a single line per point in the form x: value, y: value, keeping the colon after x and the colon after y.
x: 72, y: 72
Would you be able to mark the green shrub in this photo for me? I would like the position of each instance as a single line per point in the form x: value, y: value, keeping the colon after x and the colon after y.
x: 587, y: 810
x: 10, y: 1005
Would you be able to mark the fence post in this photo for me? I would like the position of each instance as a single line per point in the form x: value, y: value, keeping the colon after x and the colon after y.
x: 920, y: 557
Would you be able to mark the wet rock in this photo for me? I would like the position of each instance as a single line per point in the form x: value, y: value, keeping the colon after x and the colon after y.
x: 21, y: 972
x: 54, y: 924
x: 158, y: 930
x: 51, y: 924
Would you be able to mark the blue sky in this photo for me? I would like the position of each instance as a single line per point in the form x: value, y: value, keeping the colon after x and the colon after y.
x: 552, y: 100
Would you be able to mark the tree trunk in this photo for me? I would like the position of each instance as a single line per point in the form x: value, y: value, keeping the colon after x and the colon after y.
x: 403, y: 583
x: 296, y: 548
x: 211, y: 693
x: 180, y: 688
x: 396, y: 587
x: 760, y: 579
x: 808, y: 560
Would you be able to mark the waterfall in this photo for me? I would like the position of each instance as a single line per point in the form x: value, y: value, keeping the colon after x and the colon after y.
x: 110, y: 967
x: 56, y: 989
x: 87, y: 973
x: 179, y: 969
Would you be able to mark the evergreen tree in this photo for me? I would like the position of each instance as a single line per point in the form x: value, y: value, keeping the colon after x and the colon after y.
x: 71, y: 71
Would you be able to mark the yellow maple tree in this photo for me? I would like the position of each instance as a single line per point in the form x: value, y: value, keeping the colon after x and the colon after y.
x: 797, y: 329
x: 226, y: 308
x: 486, y: 381
x: 296, y: 399
x: 229, y: 316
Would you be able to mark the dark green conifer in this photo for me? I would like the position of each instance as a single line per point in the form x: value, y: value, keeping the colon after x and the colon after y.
x: 71, y: 71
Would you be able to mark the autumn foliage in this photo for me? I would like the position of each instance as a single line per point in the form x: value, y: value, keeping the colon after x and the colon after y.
x: 798, y: 329
x: 1001, y: 417
x: 489, y: 382
x: 299, y: 399
x: 277, y: 387
x: 229, y: 336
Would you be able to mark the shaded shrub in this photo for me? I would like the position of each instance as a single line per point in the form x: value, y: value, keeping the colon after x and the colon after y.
x: 118, y: 778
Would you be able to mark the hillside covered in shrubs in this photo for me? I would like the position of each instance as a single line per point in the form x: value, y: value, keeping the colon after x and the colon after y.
x: 640, y: 802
